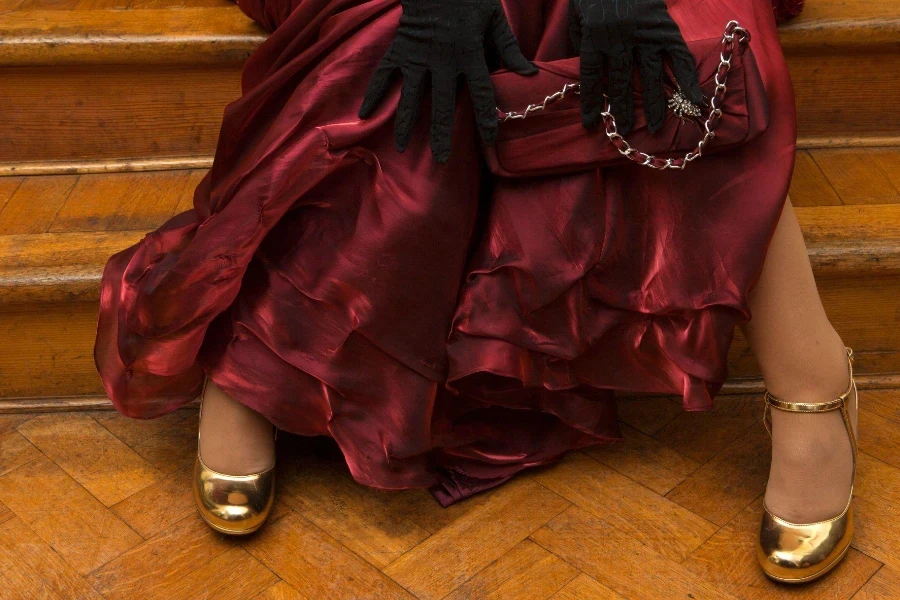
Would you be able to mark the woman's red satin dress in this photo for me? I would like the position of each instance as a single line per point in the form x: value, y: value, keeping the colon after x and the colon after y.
x: 446, y: 327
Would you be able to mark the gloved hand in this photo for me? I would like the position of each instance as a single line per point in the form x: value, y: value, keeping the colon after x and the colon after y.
x: 445, y: 38
x: 608, y: 35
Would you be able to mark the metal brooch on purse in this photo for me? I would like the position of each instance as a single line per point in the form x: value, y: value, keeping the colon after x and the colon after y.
x: 680, y: 105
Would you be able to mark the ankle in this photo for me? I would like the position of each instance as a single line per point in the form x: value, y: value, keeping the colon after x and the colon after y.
x: 818, y: 374
x: 234, y: 439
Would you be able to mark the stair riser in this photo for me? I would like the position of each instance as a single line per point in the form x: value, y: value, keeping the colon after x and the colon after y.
x: 85, y: 113
x: 846, y: 96
x: 53, y: 355
x: 95, y: 113
x: 864, y: 310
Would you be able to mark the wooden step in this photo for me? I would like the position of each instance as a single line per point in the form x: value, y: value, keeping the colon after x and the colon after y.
x: 56, y: 233
x: 97, y: 87
x: 118, y: 85
x: 844, y: 57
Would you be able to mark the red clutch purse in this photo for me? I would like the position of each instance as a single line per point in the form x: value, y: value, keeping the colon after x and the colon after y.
x: 547, y: 137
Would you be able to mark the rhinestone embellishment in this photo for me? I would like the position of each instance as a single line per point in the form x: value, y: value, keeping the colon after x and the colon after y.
x: 682, y: 107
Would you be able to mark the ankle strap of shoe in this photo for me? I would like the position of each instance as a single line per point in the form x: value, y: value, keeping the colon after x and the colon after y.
x: 838, y: 403
x: 815, y: 406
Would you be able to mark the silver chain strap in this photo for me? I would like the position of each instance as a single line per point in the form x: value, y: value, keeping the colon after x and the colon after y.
x: 732, y: 31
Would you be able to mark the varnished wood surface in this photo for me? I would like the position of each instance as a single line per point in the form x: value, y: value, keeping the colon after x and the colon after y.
x: 95, y: 505
x: 217, y: 34
x: 110, y: 112
x: 832, y: 24
x: 841, y: 96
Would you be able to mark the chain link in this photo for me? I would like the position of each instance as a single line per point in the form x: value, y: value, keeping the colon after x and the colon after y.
x: 733, y: 31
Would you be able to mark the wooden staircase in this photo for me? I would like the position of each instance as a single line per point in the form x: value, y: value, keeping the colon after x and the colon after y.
x: 111, y: 114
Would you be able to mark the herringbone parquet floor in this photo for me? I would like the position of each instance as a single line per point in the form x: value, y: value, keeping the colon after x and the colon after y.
x: 95, y: 505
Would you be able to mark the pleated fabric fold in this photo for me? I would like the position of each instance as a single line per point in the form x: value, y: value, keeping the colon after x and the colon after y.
x: 447, y: 328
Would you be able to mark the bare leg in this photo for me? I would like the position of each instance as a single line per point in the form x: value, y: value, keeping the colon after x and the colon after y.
x: 234, y: 439
x: 802, y: 360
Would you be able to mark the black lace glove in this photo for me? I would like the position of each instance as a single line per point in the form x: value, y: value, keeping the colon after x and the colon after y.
x: 609, y: 35
x: 445, y: 38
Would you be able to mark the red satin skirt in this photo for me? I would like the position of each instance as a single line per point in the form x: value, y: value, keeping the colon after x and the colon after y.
x: 447, y: 328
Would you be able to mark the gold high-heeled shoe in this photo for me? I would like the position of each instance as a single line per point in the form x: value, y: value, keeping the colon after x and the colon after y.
x: 232, y: 504
x: 800, y: 552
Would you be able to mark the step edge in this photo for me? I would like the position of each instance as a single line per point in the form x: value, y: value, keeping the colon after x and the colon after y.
x: 124, y: 165
x: 741, y: 386
x: 165, y: 163
x: 115, y: 46
x: 114, y: 36
x: 81, y: 283
x: 838, y: 35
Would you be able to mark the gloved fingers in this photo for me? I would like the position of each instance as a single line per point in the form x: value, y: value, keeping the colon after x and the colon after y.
x: 507, y: 45
x: 685, y: 71
x: 591, y: 92
x: 650, y: 63
x: 575, y: 34
x: 621, y: 92
x: 443, y: 104
x: 482, y: 91
x: 408, y: 108
x: 379, y: 84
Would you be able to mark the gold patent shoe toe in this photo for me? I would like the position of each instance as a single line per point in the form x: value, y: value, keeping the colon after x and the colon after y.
x: 797, y: 553
x: 233, y: 504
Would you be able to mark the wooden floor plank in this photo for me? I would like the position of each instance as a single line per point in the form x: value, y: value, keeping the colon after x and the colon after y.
x: 889, y: 161
x: 32, y: 570
x: 137, y: 431
x: 614, y: 538
x: 885, y: 585
x: 280, y: 591
x: 15, y: 451
x: 879, y: 437
x: 809, y: 186
x: 645, y: 460
x: 585, y: 587
x: 10, y: 422
x: 34, y: 205
x: 877, y: 530
x: 645, y: 516
x: 526, y: 572
x: 186, y: 201
x: 63, y: 514
x: 157, y: 507
x: 701, y: 435
x: 724, y: 486
x: 324, y: 492
x: 173, y: 448
x: 648, y: 415
x: 883, y: 403
x: 856, y: 176
x: 160, y: 562
x: 91, y: 455
x: 8, y: 187
x: 317, y: 565
x: 436, y: 567
x: 877, y: 504
x: 591, y: 543
x: 121, y: 201
x: 232, y: 575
